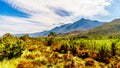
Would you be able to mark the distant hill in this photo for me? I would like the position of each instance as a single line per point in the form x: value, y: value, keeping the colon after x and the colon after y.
x: 80, y: 25
x: 111, y: 28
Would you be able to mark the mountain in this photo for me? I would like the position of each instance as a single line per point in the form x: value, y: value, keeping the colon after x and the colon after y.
x: 108, y: 29
x: 80, y: 25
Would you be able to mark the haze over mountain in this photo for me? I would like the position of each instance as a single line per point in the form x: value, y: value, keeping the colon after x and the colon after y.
x: 80, y: 25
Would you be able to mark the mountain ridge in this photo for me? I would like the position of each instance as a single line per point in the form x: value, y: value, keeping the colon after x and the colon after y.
x: 107, y: 29
x: 80, y: 25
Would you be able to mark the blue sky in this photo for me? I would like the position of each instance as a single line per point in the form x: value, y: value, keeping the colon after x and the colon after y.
x: 29, y: 16
x: 113, y: 10
x: 6, y: 9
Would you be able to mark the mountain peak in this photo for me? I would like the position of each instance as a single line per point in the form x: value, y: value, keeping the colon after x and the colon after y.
x: 83, y: 19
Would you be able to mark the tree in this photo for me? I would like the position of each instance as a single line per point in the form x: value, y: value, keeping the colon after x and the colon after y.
x: 25, y: 37
x: 7, y: 35
x: 53, y: 34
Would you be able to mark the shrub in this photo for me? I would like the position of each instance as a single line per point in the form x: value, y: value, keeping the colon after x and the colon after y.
x: 29, y: 64
x: 11, y: 48
x: 89, y: 62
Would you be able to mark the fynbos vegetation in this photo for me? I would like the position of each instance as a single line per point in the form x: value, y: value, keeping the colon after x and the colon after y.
x: 59, y: 52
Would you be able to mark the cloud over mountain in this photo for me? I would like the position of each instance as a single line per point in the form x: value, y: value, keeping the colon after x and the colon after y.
x: 50, y: 13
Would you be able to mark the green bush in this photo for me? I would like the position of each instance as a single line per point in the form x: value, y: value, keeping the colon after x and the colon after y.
x: 11, y: 47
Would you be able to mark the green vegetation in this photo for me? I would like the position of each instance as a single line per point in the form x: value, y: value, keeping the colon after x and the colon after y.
x: 59, y: 52
x: 110, y: 29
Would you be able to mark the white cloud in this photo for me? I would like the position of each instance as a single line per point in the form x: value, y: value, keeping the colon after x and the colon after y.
x: 43, y: 12
x: 19, y: 25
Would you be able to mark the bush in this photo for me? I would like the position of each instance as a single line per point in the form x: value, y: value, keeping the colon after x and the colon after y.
x: 11, y: 47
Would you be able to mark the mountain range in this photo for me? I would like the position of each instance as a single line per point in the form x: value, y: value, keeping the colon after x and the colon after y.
x: 84, y: 27
x: 80, y: 25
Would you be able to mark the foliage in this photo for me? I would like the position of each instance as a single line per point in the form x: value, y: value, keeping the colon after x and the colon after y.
x: 52, y: 34
x: 11, y: 47
x: 59, y: 52
x: 7, y: 35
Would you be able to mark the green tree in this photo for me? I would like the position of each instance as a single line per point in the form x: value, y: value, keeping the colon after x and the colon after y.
x: 25, y: 37
x: 52, y: 34
x: 7, y: 35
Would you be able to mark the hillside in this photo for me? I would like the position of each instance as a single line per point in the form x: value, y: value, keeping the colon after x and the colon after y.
x: 111, y: 28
